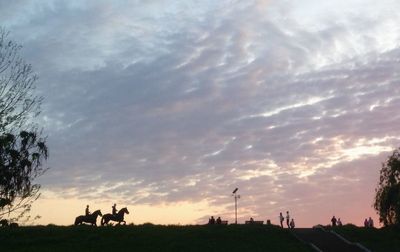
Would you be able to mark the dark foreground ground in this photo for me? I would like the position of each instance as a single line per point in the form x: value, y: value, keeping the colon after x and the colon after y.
x: 149, y: 238
x: 325, y: 240
x: 182, y: 238
x: 377, y: 240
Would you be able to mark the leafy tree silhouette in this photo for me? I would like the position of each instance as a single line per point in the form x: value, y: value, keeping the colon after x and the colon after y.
x: 22, y: 148
x: 387, y: 198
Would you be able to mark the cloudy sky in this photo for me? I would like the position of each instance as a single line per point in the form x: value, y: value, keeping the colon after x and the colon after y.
x: 167, y: 106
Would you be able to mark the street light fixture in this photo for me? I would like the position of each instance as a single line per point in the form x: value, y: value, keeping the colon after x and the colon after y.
x: 236, y: 196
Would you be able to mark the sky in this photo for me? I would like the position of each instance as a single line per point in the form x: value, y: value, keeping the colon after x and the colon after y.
x: 167, y: 106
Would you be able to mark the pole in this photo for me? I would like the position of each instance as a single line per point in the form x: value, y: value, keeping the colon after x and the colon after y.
x: 235, y: 209
x: 236, y: 198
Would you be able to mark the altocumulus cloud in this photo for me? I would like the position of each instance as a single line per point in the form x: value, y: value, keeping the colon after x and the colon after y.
x: 154, y: 102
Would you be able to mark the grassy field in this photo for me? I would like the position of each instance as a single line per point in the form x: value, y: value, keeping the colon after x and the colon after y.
x: 383, y: 239
x: 149, y: 238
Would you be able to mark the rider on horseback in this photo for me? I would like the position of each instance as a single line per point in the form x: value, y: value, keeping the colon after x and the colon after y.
x: 115, y: 216
x: 114, y: 210
x: 87, y: 212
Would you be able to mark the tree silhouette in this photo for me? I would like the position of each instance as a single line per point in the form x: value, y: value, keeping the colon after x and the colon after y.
x: 387, y: 198
x: 22, y: 149
x: 21, y: 160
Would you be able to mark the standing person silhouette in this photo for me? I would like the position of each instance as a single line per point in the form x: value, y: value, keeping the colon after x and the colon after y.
x: 366, y: 223
x: 292, y: 225
x: 281, y: 219
x: 114, y: 210
x: 339, y: 222
x: 370, y: 222
x: 87, y: 212
x: 333, y: 220
x: 287, y: 219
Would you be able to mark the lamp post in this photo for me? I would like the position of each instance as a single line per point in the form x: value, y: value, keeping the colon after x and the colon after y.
x: 236, y: 196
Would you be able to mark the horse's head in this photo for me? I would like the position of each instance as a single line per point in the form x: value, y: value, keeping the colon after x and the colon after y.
x: 124, y: 210
x: 97, y: 212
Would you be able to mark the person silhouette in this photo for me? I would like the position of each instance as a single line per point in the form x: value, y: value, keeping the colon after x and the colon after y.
x: 366, y: 224
x: 370, y: 222
x: 287, y: 219
x: 333, y: 220
x: 219, y: 221
x: 211, y: 220
x: 114, y: 210
x: 87, y: 212
x: 281, y: 219
x: 339, y: 222
x: 292, y: 225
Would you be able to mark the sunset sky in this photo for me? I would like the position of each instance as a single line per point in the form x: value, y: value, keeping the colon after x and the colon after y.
x: 167, y: 106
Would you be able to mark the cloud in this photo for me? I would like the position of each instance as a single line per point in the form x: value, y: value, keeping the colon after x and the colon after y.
x: 180, y: 103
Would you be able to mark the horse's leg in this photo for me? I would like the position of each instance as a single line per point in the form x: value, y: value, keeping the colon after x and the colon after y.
x: 106, y: 221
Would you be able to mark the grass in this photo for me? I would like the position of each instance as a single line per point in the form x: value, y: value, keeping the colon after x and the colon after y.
x: 149, y: 238
x: 383, y: 239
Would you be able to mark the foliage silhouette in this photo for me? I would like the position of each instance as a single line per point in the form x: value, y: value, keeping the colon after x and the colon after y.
x: 22, y: 147
x: 21, y: 160
x: 3, y: 223
x: 387, y: 198
x: 18, y: 101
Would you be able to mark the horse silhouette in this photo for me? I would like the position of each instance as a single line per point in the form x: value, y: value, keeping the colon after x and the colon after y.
x: 119, y: 217
x: 91, y: 218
